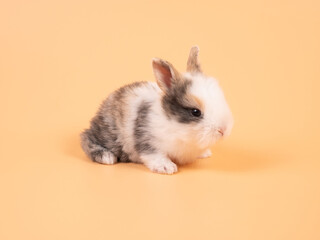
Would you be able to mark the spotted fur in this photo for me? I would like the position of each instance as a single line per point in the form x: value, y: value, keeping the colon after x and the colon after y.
x: 151, y: 123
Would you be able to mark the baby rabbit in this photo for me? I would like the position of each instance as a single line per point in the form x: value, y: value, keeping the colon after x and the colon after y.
x: 173, y: 121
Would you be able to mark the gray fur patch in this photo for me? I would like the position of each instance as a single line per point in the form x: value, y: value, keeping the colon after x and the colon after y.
x: 99, y: 138
x: 173, y: 103
x: 104, y: 133
x: 119, y: 96
x: 91, y: 146
x: 141, y: 134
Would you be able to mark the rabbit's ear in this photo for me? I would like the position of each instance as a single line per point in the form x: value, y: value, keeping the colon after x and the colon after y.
x: 193, y: 62
x: 166, y: 75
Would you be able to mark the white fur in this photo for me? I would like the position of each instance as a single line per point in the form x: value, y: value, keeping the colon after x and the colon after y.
x: 151, y: 93
x: 108, y: 158
x: 217, y: 115
x: 180, y: 142
x: 159, y: 163
x: 207, y: 153
x: 185, y: 143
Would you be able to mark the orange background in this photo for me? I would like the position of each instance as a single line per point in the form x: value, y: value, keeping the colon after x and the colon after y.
x: 60, y: 59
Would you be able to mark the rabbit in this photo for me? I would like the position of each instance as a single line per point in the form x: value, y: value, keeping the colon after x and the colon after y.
x: 161, y: 125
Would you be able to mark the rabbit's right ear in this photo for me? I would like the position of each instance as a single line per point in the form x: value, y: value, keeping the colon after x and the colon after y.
x: 193, y: 64
x: 165, y: 74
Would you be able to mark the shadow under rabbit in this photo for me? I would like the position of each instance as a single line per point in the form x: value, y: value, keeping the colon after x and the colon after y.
x: 235, y: 159
x: 224, y: 158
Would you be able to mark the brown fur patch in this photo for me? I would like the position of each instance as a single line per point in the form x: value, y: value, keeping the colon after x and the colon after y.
x: 192, y: 101
x: 198, y: 101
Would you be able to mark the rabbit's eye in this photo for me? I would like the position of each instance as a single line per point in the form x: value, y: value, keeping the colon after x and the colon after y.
x: 195, y: 112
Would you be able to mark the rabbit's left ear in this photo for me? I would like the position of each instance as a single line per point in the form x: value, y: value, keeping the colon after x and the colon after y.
x: 166, y: 75
x: 193, y: 64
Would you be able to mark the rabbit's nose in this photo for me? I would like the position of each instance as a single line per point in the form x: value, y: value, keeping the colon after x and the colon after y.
x: 221, y: 130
